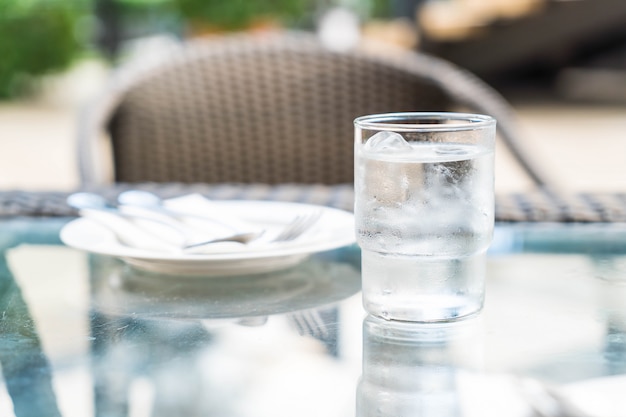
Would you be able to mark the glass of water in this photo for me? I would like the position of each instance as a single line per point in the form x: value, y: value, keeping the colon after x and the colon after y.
x: 424, y: 208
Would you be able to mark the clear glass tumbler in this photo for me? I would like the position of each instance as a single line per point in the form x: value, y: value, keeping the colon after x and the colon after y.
x: 424, y: 208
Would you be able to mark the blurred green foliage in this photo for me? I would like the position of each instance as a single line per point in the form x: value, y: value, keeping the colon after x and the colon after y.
x: 239, y: 14
x: 37, y: 37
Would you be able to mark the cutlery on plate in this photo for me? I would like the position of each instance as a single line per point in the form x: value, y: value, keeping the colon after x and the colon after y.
x: 81, y: 201
x: 291, y: 231
x: 239, y: 238
x: 152, y: 202
x: 298, y: 226
x: 194, y: 213
x: 87, y: 203
x: 148, y: 204
x: 96, y: 208
x: 90, y: 202
x: 142, y: 198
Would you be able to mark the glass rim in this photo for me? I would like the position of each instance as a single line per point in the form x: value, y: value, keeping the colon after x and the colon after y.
x: 397, y: 122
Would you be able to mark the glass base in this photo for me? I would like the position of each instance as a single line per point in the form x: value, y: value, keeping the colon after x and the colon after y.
x: 422, y: 289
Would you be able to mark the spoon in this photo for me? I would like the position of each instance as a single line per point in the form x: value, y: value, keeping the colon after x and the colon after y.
x: 81, y: 201
x: 152, y: 202
x: 147, y: 200
x: 90, y: 201
x: 84, y: 201
x: 141, y: 199
x: 90, y: 204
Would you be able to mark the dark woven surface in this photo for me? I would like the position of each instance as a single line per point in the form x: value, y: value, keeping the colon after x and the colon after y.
x: 272, y: 109
x: 533, y: 207
x: 265, y: 112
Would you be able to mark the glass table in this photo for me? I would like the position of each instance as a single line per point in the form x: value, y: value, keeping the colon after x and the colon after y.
x: 86, y: 335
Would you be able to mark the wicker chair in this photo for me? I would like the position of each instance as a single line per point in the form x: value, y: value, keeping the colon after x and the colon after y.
x: 268, y: 109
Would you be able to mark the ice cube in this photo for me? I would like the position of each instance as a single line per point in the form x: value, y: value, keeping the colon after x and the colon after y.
x: 386, y: 142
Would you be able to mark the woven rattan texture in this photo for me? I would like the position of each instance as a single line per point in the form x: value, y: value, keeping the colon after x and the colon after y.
x: 540, y: 206
x: 264, y: 112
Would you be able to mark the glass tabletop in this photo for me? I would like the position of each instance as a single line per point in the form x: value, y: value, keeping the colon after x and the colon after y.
x: 87, y: 335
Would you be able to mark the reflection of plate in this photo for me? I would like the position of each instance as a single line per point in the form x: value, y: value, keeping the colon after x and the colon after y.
x: 334, y: 229
x: 120, y: 290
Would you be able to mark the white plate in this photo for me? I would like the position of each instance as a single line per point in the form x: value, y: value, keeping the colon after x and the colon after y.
x: 334, y: 229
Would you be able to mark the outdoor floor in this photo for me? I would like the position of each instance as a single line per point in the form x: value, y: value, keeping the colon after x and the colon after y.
x: 583, y: 147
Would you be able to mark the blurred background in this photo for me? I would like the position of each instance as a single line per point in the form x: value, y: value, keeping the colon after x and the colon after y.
x: 562, y: 64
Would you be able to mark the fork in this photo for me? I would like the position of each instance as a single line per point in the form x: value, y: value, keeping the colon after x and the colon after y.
x: 298, y: 226
x: 294, y: 229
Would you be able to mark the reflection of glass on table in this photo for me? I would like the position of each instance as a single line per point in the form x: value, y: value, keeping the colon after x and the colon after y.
x: 411, y: 369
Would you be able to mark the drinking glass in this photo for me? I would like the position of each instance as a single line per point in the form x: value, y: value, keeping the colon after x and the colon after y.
x: 424, y: 209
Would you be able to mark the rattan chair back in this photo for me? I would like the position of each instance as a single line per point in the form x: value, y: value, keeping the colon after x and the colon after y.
x: 268, y: 109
